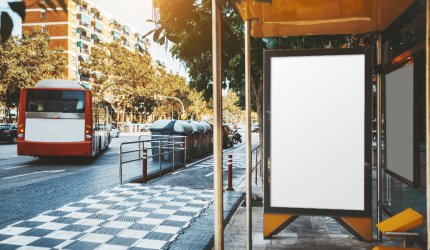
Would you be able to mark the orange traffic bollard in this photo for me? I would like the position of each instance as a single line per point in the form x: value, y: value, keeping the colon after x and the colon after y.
x: 230, y: 173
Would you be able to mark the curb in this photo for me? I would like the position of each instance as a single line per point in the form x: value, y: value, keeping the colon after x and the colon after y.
x: 201, y: 235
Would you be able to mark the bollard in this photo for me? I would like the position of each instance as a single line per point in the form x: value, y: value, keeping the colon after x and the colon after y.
x: 230, y: 173
x: 144, y: 166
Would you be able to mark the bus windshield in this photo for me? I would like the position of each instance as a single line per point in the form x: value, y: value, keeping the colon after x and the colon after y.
x: 61, y: 101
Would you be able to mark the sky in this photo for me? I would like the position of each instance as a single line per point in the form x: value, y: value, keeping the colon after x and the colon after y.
x: 4, y: 7
x: 136, y: 13
x: 133, y: 12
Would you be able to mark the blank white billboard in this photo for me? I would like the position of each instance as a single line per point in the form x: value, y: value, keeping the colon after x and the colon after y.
x: 318, y: 132
x: 399, y: 120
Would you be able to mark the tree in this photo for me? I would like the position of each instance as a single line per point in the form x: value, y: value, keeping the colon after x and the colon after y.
x: 188, y: 28
x: 24, y: 62
x: 198, y: 109
x: 130, y: 80
x: 231, y: 111
x: 119, y: 75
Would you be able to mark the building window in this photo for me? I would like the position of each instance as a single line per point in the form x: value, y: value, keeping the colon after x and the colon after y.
x: 44, y: 29
x: 43, y: 13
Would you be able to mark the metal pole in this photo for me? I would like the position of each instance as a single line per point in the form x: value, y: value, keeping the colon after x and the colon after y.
x: 256, y: 165
x: 145, y: 166
x: 379, y: 133
x: 159, y: 155
x: 173, y: 155
x: 174, y: 98
x: 217, y: 110
x: 230, y: 173
x: 185, y: 154
x: 428, y: 118
x: 248, y: 132
x: 120, y: 164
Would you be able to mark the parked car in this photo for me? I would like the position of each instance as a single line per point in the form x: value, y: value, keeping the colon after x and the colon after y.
x: 144, y: 127
x: 114, y: 131
x: 255, y: 128
x: 8, y: 132
x: 227, y: 136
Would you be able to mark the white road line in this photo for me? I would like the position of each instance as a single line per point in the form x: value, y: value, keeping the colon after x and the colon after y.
x: 111, y: 153
x: 40, y: 172
x: 211, y: 173
x: 23, y: 166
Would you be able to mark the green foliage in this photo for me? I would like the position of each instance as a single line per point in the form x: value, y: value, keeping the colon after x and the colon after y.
x: 189, y: 29
x: 129, y: 81
x: 25, y: 61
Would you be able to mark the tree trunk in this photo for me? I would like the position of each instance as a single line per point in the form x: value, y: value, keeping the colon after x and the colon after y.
x: 257, y: 89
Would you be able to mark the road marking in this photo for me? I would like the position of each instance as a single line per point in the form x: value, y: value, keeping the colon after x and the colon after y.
x: 40, y: 172
x: 211, y: 173
x: 111, y: 153
x: 23, y: 166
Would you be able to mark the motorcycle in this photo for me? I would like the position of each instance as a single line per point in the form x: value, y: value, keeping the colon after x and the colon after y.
x: 237, y: 138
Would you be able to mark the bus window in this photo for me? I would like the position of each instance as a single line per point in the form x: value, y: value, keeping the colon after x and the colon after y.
x: 61, y: 101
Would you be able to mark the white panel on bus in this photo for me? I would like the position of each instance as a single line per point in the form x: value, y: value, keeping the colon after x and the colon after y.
x: 317, y: 128
x: 54, y: 130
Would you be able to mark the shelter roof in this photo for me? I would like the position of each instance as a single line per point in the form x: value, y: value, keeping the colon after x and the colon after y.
x: 319, y: 17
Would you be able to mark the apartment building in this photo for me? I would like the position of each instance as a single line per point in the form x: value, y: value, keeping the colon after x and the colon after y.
x: 74, y: 32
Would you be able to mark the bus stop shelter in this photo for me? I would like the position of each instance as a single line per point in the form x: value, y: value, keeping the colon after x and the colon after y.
x: 278, y: 18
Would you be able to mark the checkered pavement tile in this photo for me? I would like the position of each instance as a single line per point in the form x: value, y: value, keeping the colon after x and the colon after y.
x: 131, y: 216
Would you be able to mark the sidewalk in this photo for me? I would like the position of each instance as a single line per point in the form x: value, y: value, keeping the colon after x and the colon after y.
x: 172, y: 212
x: 311, y: 233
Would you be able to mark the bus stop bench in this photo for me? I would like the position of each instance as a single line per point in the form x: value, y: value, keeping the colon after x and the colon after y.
x: 398, y: 226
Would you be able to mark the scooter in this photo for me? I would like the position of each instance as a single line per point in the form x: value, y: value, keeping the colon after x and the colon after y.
x: 237, y: 138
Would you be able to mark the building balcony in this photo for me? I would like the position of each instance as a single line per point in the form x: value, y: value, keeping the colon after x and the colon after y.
x: 116, y: 27
x: 83, y: 9
x: 99, y: 31
x: 85, y: 38
x: 85, y: 24
x: 84, y: 51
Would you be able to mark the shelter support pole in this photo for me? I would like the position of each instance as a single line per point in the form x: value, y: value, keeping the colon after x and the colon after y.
x: 428, y: 119
x: 379, y: 133
x: 248, y: 133
x: 217, y: 110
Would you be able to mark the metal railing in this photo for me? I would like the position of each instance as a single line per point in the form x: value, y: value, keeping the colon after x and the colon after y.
x: 163, y: 144
x: 258, y: 162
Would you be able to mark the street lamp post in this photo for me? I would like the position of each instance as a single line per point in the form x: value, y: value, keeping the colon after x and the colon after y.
x: 159, y: 97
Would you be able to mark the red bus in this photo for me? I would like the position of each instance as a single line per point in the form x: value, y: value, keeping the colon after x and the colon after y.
x: 60, y: 118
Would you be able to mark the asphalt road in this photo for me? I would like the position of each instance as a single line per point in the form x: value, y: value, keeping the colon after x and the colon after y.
x: 29, y: 185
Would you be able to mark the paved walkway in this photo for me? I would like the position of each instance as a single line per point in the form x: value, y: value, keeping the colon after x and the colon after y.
x: 131, y: 215
x: 172, y: 212
x: 311, y: 233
